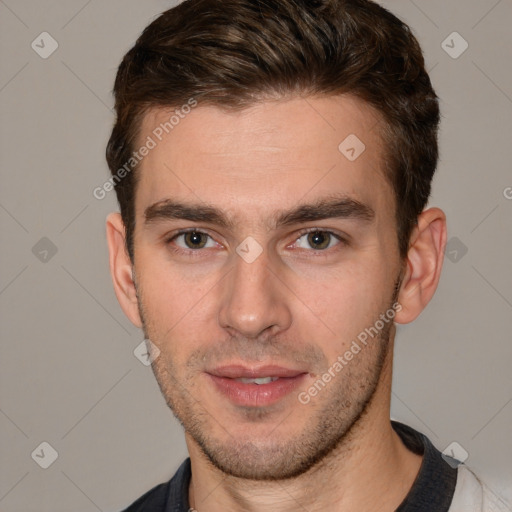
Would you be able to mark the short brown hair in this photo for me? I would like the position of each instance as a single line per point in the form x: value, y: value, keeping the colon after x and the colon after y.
x: 233, y: 53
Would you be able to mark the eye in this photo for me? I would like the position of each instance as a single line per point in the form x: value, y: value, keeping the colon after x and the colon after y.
x: 318, y: 240
x: 192, y: 240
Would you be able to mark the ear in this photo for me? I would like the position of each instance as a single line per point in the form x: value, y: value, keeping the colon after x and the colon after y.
x: 121, y: 268
x: 423, y: 264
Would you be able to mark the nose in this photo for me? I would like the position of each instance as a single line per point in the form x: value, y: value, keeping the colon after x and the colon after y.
x: 254, y: 301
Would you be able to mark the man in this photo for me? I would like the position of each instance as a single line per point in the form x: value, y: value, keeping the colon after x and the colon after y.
x: 272, y: 161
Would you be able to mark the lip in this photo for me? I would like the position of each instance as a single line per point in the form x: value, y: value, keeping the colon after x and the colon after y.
x: 254, y: 395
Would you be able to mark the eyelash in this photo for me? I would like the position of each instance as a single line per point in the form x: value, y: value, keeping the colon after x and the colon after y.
x: 179, y: 250
x: 342, y: 242
x: 320, y: 252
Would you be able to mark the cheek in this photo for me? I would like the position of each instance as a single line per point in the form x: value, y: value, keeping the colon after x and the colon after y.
x: 339, y: 308
x: 176, y: 305
x: 171, y: 290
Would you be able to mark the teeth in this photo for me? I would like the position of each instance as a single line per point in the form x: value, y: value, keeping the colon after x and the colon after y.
x: 259, y: 380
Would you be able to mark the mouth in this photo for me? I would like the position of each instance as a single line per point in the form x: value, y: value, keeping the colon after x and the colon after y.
x: 255, y: 386
x: 259, y: 380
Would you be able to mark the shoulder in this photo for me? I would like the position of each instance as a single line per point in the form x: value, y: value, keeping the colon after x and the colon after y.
x: 154, y: 500
x: 169, y: 496
x: 473, y: 495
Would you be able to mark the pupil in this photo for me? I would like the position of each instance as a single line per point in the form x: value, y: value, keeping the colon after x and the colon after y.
x: 194, y: 239
x: 318, y: 239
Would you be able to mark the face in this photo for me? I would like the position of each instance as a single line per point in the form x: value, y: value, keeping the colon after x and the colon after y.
x: 262, y: 253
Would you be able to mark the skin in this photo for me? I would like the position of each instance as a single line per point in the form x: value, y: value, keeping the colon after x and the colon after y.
x: 295, y: 305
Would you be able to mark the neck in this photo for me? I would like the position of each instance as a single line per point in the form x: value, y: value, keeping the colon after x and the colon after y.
x: 370, y: 469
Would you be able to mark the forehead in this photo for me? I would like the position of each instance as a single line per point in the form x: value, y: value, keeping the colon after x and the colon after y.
x: 265, y: 157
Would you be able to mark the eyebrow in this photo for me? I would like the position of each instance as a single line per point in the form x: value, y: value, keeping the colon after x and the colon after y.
x: 340, y: 207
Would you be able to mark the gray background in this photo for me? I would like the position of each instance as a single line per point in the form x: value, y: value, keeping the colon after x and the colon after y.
x: 69, y: 376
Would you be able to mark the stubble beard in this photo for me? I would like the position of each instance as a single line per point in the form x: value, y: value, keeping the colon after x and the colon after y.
x: 348, y: 398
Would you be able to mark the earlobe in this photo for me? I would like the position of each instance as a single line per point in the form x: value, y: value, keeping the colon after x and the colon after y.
x: 121, y: 268
x: 423, y: 264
